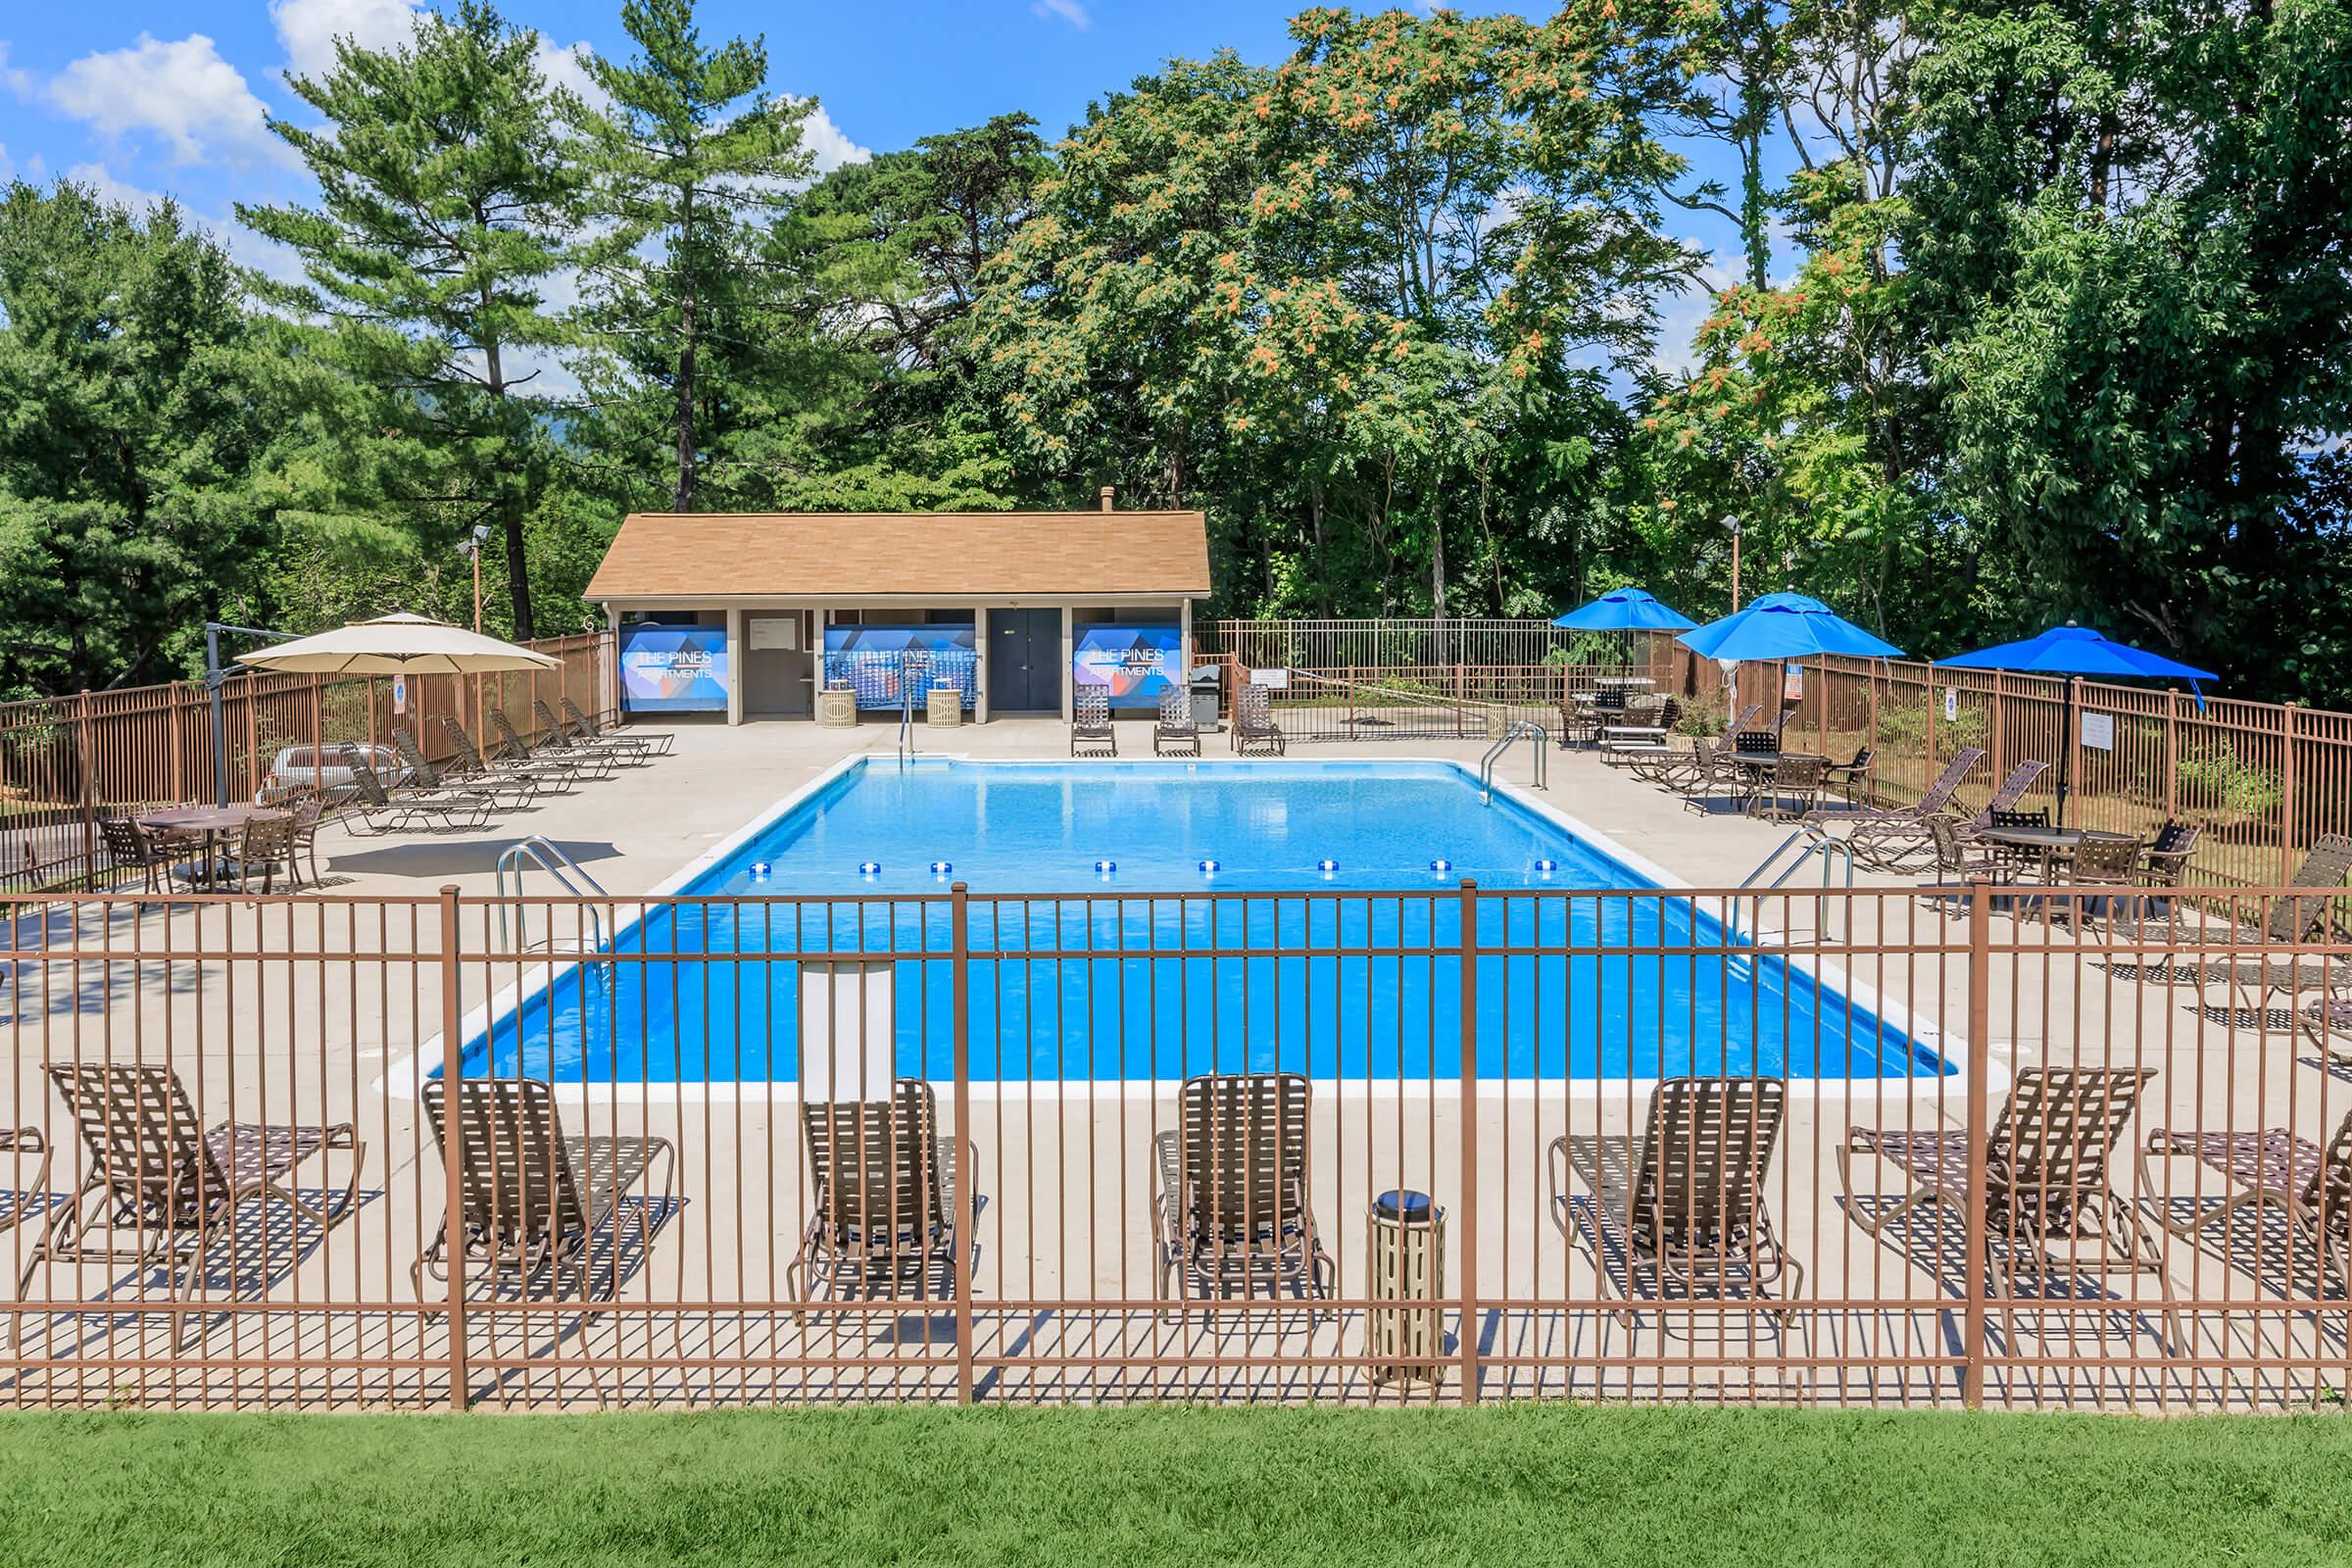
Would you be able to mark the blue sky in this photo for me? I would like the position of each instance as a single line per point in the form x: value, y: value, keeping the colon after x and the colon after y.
x: 141, y: 97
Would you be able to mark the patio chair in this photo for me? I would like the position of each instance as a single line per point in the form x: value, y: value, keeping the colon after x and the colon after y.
x: 1253, y: 727
x: 469, y: 764
x: 631, y: 751
x: 2312, y: 1183
x: 379, y: 810
x: 1849, y: 778
x: 265, y: 844
x: 509, y: 788
x: 1229, y: 1208
x: 2098, y: 861
x: 580, y: 761
x: 155, y: 855
x: 890, y: 1210
x: 1793, y: 791
x: 1708, y: 770
x: 154, y: 1173
x: 656, y: 741
x: 2169, y: 854
x: 1176, y: 735
x: 2028, y: 858
x: 533, y: 1198
x: 1696, y: 1222
x: 1091, y: 731
x: 2047, y: 1184
x: 308, y: 807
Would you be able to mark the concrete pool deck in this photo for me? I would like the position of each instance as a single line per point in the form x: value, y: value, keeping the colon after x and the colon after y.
x: 306, y: 1031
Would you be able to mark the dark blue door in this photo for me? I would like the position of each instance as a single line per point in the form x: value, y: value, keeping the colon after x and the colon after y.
x: 1024, y: 661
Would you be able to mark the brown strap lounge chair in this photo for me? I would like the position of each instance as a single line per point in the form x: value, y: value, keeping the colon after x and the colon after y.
x: 2310, y: 1182
x: 1253, y: 728
x: 1695, y: 1223
x: 154, y: 1176
x: 1891, y: 839
x: 1229, y: 1206
x: 380, y: 811
x: 533, y: 1198
x: 631, y: 751
x: 551, y: 751
x: 656, y: 741
x: 1091, y: 731
x: 470, y: 765
x: 508, y: 788
x: 25, y: 1197
x: 1176, y: 735
x: 2050, y: 1203
x: 891, y: 1215
x: 2290, y: 921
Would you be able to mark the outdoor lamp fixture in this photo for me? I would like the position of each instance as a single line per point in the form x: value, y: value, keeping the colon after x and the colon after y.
x: 1732, y: 523
x: 471, y: 547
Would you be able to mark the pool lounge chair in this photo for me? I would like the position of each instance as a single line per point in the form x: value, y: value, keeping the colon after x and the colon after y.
x: 508, y: 787
x: 1255, y: 730
x: 1229, y: 1208
x: 581, y: 761
x: 469, y: 764
x: 631, y: 751
x: 889, y: 1213
x: 1890, y: 838
x: 2050, y: 1203
x: 154, y: 1177
x: 23, y: 1198
x: 533, y: 1198
x: 2276, y: 1166
x: 380, y: 811
x: 1091, y: 731
x: 1176, y: 735
x: 2290, y: 921
x: 1695, y: 1223
x: 656, y: 741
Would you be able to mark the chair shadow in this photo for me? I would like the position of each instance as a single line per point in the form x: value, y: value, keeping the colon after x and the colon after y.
x: 621, y: 1248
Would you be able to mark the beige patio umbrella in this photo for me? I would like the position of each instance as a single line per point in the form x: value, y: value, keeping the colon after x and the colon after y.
x: 397, y: 645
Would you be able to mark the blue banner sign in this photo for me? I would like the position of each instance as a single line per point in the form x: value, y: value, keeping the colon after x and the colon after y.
x: 874, y: 660
x: 1139, y: 664
x: 673, y: 669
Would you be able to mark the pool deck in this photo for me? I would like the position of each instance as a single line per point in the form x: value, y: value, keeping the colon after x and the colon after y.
x: 1065, y: 1173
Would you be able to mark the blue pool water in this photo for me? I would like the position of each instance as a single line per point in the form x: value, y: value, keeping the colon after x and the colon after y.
x: 1135, y: 974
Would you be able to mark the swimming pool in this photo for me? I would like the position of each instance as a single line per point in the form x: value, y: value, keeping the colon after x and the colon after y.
x: 1173, y: 883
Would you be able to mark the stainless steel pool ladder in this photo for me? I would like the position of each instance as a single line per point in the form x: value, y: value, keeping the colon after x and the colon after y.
x: 1521, y: 730
x: 538, y: 852
x: 1811, y: 843
x: 909, y: 665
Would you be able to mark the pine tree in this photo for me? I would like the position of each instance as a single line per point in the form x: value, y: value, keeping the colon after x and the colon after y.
x: 688, y: 153
x: 450, y: 201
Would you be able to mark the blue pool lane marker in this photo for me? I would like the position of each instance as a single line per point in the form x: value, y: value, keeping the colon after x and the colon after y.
x: 1327, y: 868
x: 940, y: 867
x: 1107, y: 867
x: 1441, y: 867
x: 1546, y: 868
x: 759, y: 870
x: 869, y: 867
x: 1208, y: 868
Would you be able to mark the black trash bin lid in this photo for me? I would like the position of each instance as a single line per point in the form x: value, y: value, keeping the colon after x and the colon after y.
x: 1405, y: 1205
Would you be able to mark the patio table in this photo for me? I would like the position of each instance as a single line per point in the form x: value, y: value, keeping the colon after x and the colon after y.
x: 212, y: 821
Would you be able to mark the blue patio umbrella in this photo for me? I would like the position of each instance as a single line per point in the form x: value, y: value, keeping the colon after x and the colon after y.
x: 2073, y: 651
x: 1626, y: 609
x: 1785, y: 626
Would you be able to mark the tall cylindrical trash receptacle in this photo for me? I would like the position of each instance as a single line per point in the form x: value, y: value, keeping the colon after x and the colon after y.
x: 944, y: 706
x: 1406, y: 1261
x: 837, y: 707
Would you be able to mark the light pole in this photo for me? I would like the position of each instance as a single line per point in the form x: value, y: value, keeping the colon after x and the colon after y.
x: 472, y: 547
x: 1732, y: 523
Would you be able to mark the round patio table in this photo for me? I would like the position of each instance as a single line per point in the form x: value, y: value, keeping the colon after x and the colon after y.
x: 209, y: 820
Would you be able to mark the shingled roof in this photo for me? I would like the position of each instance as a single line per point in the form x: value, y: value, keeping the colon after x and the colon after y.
x: 943, y: 555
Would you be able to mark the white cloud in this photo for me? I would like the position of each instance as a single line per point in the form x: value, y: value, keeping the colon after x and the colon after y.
x: 824, y: 142
x: 1069, y: 11
x: 566, y: 65
x: 182, y: 91
x: 107, y: 188
x: 309, y: 28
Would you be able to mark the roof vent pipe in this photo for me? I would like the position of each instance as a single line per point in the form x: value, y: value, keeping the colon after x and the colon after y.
x: 1107, y: 491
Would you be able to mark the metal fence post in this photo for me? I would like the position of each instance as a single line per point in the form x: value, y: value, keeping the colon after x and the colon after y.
x: 453, y: 1159
x: 959, y: 990
x: 1979, y: 1053
x: 2286, y: 792
x: 1468, y: 1348
x: 85, y: 755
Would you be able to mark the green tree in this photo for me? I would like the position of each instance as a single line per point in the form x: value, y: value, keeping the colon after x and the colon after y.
x: 690, y: 156
x: 450, y: 202
x: 138, y: 400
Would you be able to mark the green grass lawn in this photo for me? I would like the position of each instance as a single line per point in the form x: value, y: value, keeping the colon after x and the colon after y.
x: 1208, y: 1488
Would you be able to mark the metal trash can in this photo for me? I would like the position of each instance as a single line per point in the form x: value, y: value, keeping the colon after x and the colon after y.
x: 944, y: 706
x: 1207, y: 686
x: 837, y: 707
x: 1404, y: 1262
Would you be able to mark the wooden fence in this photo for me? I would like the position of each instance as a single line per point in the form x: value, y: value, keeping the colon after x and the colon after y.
x: 67, y: 761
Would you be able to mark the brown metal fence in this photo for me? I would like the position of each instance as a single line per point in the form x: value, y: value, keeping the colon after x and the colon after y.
x: 2263, y: 781
x: 68, y: 762
x: 2023, y: 1146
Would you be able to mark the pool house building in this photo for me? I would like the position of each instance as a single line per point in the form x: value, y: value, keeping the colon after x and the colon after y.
x: 757, y: 616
